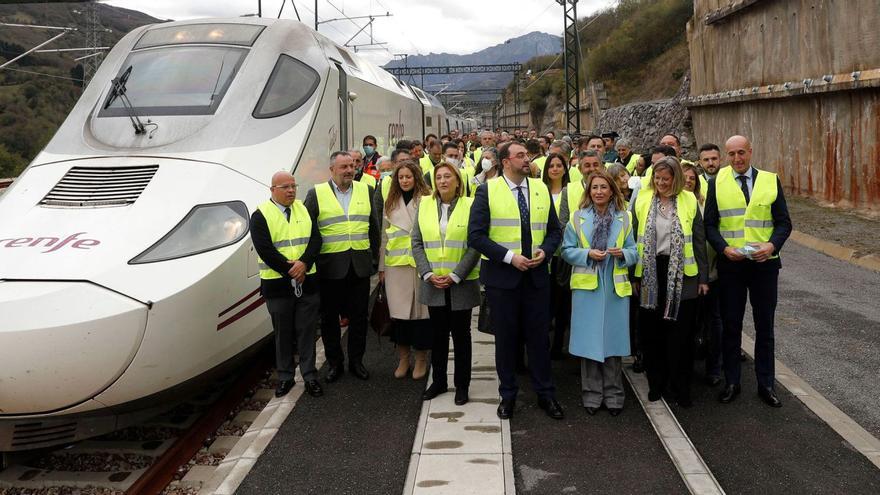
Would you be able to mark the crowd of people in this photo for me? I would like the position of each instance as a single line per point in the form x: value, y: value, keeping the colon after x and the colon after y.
x: 575, y: 247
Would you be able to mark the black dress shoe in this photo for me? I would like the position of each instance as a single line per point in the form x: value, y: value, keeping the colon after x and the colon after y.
x: 615, y: 411
x: 743, y: 357
x: 768, y: 395
x: 283, y: 387
x: 591, y: 410
x: 334, y: 373
x: 313, y: 388
x: 713, y: 380
x: 433, y: 391
x: 729, y: 393
x: 461, y: 396
x: 358, y: 370
x: 638, y: 364
x: 505, y: 409
x: 654, y: 396
x: 551, y: 407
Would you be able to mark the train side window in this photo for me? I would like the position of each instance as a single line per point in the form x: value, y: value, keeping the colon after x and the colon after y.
x: 428, y: 122
x: 290, y: 85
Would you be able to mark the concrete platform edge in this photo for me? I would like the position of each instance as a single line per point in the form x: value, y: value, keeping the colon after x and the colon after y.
x: 859, y: 438
x: 836, y: 251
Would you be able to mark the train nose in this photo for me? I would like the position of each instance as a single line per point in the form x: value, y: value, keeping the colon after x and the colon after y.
x: 62, y: 343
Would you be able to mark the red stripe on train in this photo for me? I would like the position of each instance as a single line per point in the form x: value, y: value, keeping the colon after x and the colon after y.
x: 245, y: 298
x: 241, y: 314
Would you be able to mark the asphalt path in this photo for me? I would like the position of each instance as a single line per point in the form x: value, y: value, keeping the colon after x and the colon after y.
x: 751, y: 448
x: 586, y: 454
x: 356, y: 439
x: 828, y: 330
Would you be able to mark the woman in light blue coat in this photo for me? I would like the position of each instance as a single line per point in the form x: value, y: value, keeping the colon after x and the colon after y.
x: 599, y: 246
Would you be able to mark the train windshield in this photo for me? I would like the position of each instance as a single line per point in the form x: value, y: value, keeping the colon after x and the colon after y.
x: 177, y: 80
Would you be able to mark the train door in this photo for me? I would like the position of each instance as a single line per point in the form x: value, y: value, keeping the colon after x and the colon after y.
x: 344, y: 105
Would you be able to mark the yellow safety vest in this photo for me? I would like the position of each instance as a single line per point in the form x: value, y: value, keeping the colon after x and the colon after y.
x: 444, y: 253
x: 587, y: 277
x: 704, y: 185
x: 289, y: 238
x: 341, y: 232
x: 686, y: 204
x: 368, y: 180
x: 742, y: 224
x: 632, y: 162
x: 386, y: 187
x: 426, y: 164
x: 504, y: 225
x: 540, y: 161
x: 575, y: 175
x: 398, y: 249
x: 574, y: 192
x: 478, y: 155
x: 467, y: 176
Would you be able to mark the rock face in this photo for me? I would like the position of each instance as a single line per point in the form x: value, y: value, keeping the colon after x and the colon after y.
x: 644, y: 123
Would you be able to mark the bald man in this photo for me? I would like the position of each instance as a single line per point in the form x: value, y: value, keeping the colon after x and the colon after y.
x: 747, y: 223
x: 287, y: 242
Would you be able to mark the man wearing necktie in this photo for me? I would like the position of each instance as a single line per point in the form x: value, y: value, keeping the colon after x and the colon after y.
x: 513, y: 224
x: 745, y: 207
x: 287, y: 243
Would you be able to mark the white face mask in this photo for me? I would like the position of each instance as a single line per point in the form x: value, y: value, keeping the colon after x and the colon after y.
x: 453, y: 161
x: 486, y: 164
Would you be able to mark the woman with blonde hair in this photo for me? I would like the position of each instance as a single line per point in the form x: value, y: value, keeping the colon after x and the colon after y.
x: 397, y: 211
x: 599, y: 246
x: 450, y: 277
x: 672, y: 271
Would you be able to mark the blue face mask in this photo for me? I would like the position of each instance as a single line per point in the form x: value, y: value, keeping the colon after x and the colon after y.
x: 368, y: 150
x: 386, y: 174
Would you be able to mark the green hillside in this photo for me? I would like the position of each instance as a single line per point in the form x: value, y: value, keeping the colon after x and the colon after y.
x: 637, y: 48
x: 32, y: 106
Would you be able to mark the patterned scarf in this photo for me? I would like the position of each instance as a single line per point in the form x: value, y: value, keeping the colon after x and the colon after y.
x: 601, y: 228
x: 675, y: 275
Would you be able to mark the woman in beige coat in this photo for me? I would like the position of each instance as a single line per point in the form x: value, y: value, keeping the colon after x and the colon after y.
x: 411, y: 327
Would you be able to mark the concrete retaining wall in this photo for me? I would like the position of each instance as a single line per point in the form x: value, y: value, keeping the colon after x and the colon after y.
x: 801, y: 79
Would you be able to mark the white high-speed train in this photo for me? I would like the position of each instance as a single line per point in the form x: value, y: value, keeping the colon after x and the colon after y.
x: 127, y: 274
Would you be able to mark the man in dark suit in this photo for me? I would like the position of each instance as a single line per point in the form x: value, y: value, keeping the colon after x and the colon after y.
x: 287, y: 242
x: 747, y: 223
x: 515, y: 227
x: 350, y: 240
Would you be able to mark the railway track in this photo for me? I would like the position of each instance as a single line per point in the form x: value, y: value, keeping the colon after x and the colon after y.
x: 169, y: 454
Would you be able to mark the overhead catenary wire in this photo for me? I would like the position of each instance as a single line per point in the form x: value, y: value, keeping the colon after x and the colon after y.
x: 560, y: 55
x: 44, y: 74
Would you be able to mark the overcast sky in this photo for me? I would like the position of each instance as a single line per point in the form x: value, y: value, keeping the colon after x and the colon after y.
x: 417, y: 26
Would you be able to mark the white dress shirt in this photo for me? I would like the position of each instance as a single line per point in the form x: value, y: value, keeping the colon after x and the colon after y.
x: 344, y: 197
x: 748, y: 174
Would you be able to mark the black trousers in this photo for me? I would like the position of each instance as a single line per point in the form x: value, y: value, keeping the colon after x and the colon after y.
x: 667, y: 345
x: 523, y: 310
x: 760, y: 284
x: 348, y: 296
x: 713, y: 328
x: 295, y: 322
x: 560, y: 305
x: 445, y: 321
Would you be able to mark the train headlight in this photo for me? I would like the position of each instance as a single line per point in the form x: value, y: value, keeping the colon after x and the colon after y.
x: 205, y: 228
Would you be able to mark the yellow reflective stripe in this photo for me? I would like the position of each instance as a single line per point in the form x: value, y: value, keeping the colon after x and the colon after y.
x: 689, y: 238
x: 263, y: 266
x: 398, y: 252
x: 539, y: 226
x: 444, y: 265
x: 345, y: 237
x: 584, y: 270
x: 299, y: 241
x: 759, y: 224
x: 359, y: 218
x: 504, y: 222
x: 332, y: 220
x: 621, y: 278
x: 511, y: 245
x: 732, y: 212
x: 733, y: 234
x: 397, y: 233
x: 689, y: 260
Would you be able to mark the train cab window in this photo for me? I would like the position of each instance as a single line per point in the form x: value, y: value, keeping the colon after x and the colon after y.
x: 222, y: 34
x: 290, y: 85
x: 428, y: 122
x: 175, y: 80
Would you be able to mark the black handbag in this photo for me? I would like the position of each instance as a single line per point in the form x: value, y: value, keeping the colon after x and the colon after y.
x: 483, y: 320
x: 380, y: 315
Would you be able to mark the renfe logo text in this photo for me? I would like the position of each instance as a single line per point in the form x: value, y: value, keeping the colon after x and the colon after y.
x: 50, y: 243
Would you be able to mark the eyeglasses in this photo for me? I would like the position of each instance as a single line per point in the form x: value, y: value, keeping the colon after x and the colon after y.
x: 290, y: 187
